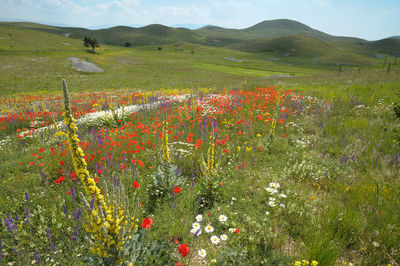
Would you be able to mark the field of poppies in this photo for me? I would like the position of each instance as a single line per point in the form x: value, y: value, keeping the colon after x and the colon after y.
x: 239, y: 176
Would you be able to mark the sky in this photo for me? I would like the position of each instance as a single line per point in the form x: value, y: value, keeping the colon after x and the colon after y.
x: 367, y: 19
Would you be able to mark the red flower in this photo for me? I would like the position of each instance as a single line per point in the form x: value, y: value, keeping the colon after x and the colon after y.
x: 140, y: 162
x: 283, y: 136
x: 177, y: 190
x: 178, y: 264
x: 60, y: 179
x: 73, y: 176
x: 69, y: 192
x: 184, y: 250
x: 147, y: 222
x: 135, y: 184
x: 237, y: 230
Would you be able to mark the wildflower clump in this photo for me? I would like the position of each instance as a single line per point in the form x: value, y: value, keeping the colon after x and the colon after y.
x: 105, y: 223
x: 211, y: 182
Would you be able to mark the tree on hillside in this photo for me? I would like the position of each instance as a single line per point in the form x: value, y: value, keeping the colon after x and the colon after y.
x: 89, y: 42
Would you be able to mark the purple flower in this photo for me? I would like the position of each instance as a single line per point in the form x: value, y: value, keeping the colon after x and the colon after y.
x: 76, y: 214
x: 37, y: 257
x: 73, y: 192
x: 27, y: 215
x: 43, y: 176
x: 92, y: 203
x: 27, y: 197
x: 65, y: 210
x: 75, y: 236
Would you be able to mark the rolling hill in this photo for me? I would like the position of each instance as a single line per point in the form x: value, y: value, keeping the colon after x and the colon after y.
x: 282, y: 36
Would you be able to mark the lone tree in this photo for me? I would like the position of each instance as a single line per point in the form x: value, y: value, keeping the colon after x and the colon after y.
x: 89, y: 42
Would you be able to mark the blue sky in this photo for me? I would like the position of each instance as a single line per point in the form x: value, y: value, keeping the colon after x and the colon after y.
x: 368, y: 19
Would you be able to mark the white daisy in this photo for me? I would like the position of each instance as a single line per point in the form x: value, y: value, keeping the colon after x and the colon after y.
x: 213, y: 261
x: 282, y: 195
x: 272, y: 203
x: 215, y: 240
x: 282, y: 205
x: 209, y: 229
x: 224, y: 237
x: 202, y: 253
x: 196, y: 226
x: 199, y: 218
x: 376, y: 244
x: 267, y: 213
x: 269, y: 189
x: 232, y: 230
x: 223, y: 218
x: 274, y: 185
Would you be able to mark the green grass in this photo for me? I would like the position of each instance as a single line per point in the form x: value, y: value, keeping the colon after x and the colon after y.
x: 342, y: 185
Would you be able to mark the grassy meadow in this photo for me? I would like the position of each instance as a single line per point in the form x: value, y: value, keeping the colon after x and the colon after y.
x: 195, y: 155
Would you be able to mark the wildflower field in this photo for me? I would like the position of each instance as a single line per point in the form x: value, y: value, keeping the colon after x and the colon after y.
x: 220, y: 165
x: 244, y: 176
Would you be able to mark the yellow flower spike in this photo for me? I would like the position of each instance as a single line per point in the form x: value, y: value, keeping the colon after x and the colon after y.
x: 102, y: 230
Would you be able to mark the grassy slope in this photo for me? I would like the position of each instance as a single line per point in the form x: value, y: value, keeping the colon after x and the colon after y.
x: 364, y: 195
x: 35, y: 61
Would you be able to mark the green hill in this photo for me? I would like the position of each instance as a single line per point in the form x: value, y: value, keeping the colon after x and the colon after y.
x: 388, y: 46
x: 281, y: 36
x: 283, y: 27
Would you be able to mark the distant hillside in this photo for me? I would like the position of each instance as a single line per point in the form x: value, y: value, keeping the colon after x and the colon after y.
x: 283, y: 27
x: 387, y: 46
x: 294, y: 45
x: 282, y: 36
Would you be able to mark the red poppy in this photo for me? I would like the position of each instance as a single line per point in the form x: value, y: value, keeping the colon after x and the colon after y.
x: 147, y: 222
x: 237, y: 230
x: 135, y: 184
x: 69, y: 192
x: 177, y: 190
x: 60, y: 180
x: 73, y: 176
x: 184, y: 250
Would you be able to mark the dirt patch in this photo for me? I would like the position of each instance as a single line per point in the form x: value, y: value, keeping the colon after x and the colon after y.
x: 84, y: 66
